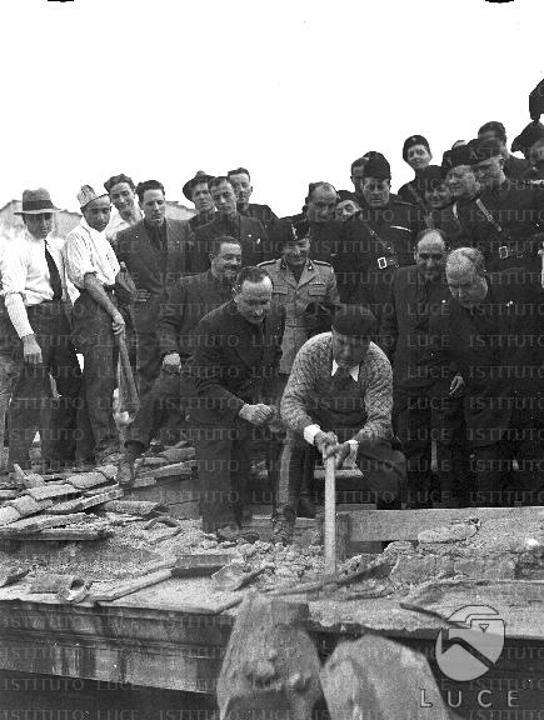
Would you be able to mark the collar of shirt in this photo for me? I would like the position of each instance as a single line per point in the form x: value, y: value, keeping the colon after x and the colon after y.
x: 353, y: 370
x: 92, y: 232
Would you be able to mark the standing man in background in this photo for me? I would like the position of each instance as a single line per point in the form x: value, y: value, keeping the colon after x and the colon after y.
x: 92, y: 266
x: 196, y: 190
x: 122, y: 192
x: 241, y: 183
x: 156, y: 252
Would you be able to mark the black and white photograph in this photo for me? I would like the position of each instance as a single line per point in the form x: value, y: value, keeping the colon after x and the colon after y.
x: 272, y: 360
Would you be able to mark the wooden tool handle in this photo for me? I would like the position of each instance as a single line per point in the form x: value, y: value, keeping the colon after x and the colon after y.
x: 330, y: 517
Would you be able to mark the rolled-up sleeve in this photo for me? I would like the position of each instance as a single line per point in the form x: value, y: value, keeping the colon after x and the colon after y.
x: 77, y: 258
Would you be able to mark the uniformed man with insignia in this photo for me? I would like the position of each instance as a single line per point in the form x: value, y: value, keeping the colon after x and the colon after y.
x: 464, y: 188
x: 515, y: 168
x: 506, y: 221
x: 306, y: 288
x: 376, y: 241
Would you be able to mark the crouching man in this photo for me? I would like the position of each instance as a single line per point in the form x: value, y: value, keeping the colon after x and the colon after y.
x: 339, y: 399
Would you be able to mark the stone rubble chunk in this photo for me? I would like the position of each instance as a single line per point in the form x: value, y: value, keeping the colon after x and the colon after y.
x: 448, y: 533
x: 86, y: 480
x: 27, y: 505
x: 8, y: 515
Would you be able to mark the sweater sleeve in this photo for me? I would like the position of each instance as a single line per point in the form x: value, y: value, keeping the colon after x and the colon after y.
x: 298, y: 391
x: 378, y: 399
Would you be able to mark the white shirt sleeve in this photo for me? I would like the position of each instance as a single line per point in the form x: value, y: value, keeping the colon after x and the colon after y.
x: 310, y: 431
x: 77, y: 258
x: 18, y: 314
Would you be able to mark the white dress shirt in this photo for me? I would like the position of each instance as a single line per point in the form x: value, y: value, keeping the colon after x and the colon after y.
x: 25, y: 277
x: 88, y: 251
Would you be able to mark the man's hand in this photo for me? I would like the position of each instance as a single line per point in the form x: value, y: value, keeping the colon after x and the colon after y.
x: 325, y: 440
x: 258, y: 414
x: 457, y: 386
x: 32, y: 352
x: 142, y: 295
x: 171, y: 363
x: 117, y: 323
x: 340, y: 452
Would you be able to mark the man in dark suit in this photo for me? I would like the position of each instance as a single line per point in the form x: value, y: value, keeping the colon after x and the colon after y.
x: 188, y: 301
x: 156, y: 252
x: 227, y: 221
x: 417, y: 293
x: 489, y: 332
x: 235, y: 370
x: 240, y: 180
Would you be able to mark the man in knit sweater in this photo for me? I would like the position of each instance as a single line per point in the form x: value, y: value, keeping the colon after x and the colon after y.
x: 339, y: 399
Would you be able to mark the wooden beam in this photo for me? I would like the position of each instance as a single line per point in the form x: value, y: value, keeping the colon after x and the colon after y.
x: 387, y: 525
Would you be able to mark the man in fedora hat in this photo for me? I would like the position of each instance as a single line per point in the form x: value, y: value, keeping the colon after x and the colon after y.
x: 35, y: 339
x: 92, y: 266
x: 196, y: 190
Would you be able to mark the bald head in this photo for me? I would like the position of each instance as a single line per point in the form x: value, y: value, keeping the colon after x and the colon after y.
x: 465, y: 273
x: 430, y: 254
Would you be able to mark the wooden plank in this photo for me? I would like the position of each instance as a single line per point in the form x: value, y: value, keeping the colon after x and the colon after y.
x: 47, y: 492
x: 40, y: 522
x: 131, y: 587
x: 387, y: 525
x: 181, y: 469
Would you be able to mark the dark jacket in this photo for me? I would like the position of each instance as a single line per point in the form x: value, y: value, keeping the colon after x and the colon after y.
x: 263, y: 213
x: 496, y: 350
x: 232, y: 365
x: 188, y: 301
x: 366, y: 264
x: 150, y: 268
x: 249, y: 231
x: 404, y: 330
x: 518, y: 210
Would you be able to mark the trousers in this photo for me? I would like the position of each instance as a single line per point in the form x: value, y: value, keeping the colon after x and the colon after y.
x: 94, y: 338
x: 33, y: 407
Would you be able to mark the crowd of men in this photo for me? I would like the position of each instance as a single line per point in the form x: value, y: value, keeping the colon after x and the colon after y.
x: 399, y: 333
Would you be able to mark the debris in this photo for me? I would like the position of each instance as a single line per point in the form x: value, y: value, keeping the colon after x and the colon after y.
x: 36, y: 523
x: 199, y: 565
x: 132, y: 587
x: 93, y: 500
x: 73, y: 533
x: 448, y: 533
x: 26, y: 505
x: 132, y: 507
x: 8, y: 515
x: 53, y: 583
x: 234, y: 577
x: 84, y: 481
x: 28, y: 479
x: 13, y: 575
x: 46, y: 492
x: 356, y: 681
x: 109, y: 471
x: 271, y: 667
x: 177, y: 454
x: 181, y: 469
x: 8, y: 494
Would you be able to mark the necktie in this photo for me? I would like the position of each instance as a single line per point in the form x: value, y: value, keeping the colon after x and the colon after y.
x: 54, y: 276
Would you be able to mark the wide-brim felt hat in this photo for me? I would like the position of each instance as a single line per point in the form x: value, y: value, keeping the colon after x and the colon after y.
x: 200, y: 177
x: 36, y: 202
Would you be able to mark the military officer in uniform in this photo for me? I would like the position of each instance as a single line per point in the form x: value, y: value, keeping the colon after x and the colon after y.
x: 306, y: 288
x: 376, y: 241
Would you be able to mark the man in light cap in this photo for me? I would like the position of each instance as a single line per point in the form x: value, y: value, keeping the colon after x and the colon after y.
x: 36, y: 339
x: 92, y: 266
x: 338, y: 400
x: 376, y: 241
x: 506, y: 221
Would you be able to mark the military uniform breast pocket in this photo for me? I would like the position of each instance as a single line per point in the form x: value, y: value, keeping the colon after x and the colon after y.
x: 319, y: 289
x: 280, y: 290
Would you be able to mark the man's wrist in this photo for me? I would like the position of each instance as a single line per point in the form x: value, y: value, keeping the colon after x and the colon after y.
x: 310, y: 431
x: 28, y: 337
x: 353, y: 450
